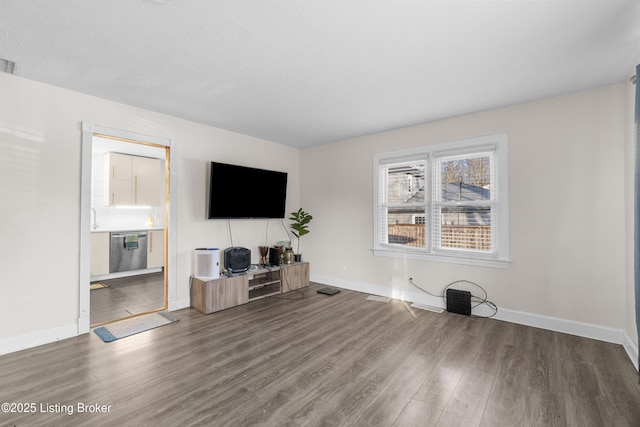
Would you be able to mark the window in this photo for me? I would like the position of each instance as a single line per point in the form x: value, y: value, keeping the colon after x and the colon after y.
x: 445, y: 202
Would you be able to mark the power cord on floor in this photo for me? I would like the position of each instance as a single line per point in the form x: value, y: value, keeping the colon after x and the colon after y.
x: 477, y: 299
x: 295, y: 291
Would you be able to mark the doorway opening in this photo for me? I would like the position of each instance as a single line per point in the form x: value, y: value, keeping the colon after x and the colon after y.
x: 128, y: 188
x: 126, y: 268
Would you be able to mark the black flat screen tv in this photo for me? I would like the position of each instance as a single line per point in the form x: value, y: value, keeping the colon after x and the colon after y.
x: 245, y: 192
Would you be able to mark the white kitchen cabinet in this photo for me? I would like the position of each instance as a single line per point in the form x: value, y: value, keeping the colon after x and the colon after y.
x: 147, y: 181
x: 99, y: 254
x: 118, y: 185
x: 132, y: 180
x: 155, y: 249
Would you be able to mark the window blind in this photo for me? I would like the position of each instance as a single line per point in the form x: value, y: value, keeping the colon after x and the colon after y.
x: 464, y: 206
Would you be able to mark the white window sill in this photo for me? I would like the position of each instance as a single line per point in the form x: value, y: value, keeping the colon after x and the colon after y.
x: 452, y: 259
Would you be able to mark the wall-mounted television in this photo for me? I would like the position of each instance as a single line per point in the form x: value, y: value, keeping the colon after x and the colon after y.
x: 244, y: 192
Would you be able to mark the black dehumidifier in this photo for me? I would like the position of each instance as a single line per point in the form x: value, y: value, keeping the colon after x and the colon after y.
x: 459, y: 301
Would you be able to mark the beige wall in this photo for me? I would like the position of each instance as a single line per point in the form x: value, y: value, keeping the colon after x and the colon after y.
x: 566, y: 204
x: 40, y: 173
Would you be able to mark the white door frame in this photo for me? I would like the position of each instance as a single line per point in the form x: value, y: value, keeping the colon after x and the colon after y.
x: 88, y: 131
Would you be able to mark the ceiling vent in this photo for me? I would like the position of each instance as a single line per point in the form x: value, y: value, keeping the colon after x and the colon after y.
x: 7, y: 66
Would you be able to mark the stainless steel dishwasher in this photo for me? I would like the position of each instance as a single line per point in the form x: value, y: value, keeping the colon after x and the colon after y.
x: 128, y: 251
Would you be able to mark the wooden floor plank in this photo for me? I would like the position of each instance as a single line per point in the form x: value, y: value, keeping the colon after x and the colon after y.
x: 468, y: 401
x: 446, y: 365
x: 309, y: 359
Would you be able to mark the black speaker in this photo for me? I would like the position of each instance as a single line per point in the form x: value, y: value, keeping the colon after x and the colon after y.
x: 459, y: 302
x: 237, y: 259
x: 274, y: 256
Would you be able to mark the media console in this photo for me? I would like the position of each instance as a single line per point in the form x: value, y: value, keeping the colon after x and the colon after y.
x: 218, y: 294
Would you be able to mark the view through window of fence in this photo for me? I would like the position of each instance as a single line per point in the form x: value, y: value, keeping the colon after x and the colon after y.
x: 464, y: 204
x: 461, y: 204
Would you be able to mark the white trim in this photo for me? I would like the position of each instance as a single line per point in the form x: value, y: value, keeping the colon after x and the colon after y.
x: 586, y: 330
x: 466, y: 146
x: 477, y: 260
x: 133, y: 136
x: 502, y: 183
x: 84, y: 321
x: 631, y: 349
x: 572, y: 327
x: 35, y: 339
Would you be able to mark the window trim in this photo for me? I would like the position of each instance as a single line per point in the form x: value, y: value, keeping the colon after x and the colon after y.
x: 499, y: 258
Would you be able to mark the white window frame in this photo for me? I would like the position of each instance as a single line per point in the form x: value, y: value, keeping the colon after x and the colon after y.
x: 499, y: 258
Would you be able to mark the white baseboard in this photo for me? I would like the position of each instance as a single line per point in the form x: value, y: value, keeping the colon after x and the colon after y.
x: 23, y: 342
x: 84, y: 325
x: 587, y: 330
x: 35, y: 339
x: 631, y: 348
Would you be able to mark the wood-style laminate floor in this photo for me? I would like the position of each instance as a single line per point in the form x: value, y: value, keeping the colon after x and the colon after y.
x: 325, y: 360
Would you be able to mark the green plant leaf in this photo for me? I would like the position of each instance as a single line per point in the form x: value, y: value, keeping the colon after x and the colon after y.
x: 300, y: 226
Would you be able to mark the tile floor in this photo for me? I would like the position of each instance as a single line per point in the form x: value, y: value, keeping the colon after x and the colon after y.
x: 127, y: 296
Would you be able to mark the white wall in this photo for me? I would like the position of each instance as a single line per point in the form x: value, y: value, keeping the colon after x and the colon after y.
x: 566, y: 205
x: 40, y: 165
x: 569, y: 154
x: 630, y: 324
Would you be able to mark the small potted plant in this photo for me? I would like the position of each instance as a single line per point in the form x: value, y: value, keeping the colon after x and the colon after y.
x: 300, y: 227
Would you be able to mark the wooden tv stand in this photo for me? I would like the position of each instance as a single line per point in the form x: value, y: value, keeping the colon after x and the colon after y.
x: 226, y: 292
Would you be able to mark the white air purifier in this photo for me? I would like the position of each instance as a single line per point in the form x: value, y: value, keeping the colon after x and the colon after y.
x: 206, y: 263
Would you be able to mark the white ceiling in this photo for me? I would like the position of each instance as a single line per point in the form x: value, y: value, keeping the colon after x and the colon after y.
x: 307, y: 72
